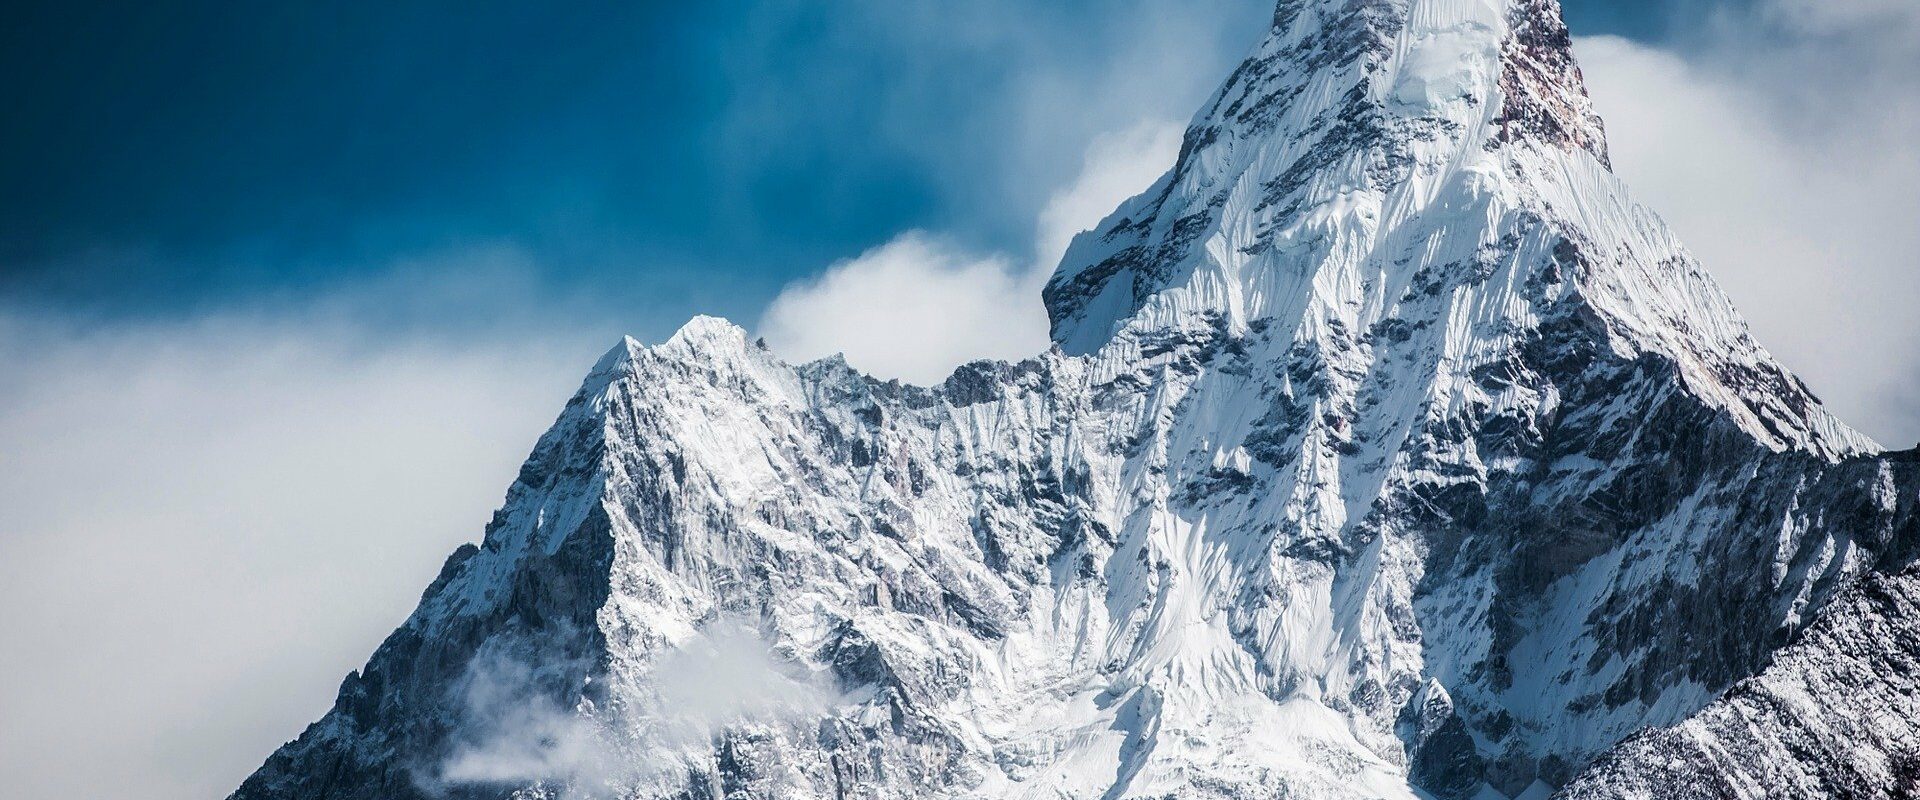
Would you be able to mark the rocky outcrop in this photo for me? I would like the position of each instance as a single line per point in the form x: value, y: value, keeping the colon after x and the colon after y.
x: 1837, y: 714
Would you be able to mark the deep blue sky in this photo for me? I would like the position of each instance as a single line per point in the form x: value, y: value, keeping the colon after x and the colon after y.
x: 163, y: 157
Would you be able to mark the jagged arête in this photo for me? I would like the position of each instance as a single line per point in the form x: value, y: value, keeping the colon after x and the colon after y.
x: 1388, y: 450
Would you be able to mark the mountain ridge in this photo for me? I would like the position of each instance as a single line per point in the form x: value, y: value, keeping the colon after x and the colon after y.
x: 1387, y: 449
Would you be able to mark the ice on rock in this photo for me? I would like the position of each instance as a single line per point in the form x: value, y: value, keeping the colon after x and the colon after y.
x: 1451, y: 55
x: 1447, y: 66
x: 1389, y: 450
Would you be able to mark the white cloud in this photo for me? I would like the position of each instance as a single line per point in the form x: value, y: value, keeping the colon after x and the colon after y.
x: 920, y: 305
x: 1783, y: 155
x: 726, y: 675
x: 911, y: 309
x: 205, y: 524
x: 520, y: 734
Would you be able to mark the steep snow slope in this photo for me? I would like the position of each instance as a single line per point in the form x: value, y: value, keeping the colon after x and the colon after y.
x: 1388, y: 450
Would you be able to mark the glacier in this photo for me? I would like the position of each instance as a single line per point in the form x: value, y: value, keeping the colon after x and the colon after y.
x: 1387, y: 449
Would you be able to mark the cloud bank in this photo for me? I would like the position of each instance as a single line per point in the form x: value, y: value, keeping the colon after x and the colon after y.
x: 204, y: 524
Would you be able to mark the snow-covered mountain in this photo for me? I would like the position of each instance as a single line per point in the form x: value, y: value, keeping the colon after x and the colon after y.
x: 1388, y: 450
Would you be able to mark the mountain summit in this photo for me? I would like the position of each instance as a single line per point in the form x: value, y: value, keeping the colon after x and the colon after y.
x: 1388, y: 450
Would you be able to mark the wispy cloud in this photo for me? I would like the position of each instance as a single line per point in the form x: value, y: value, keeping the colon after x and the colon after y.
x: 987, y: 105
x: 517, y: 732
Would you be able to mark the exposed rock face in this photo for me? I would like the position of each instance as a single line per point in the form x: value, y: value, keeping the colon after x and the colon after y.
x: 1836, y: 715
x: 1388, y: 446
